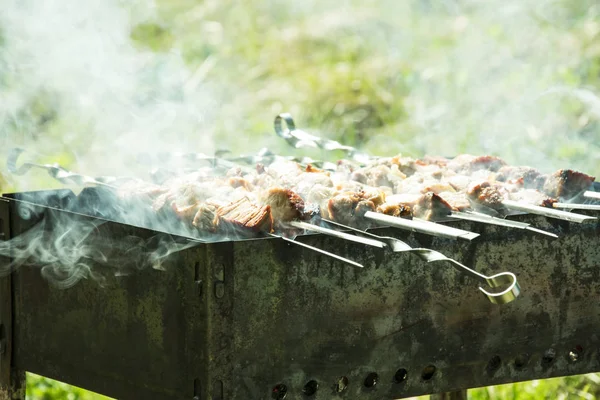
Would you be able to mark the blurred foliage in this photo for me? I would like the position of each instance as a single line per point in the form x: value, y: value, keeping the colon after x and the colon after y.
x: 41, y: 388
x: 516, y: 79
x: 572, y: 387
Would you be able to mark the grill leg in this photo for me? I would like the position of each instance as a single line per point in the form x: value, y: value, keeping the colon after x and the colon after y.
x: 459, y: 395
x: 16, y: 390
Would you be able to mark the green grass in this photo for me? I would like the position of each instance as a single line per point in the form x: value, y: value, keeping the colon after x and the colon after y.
x: 41, y: 388
x: 573, y: 387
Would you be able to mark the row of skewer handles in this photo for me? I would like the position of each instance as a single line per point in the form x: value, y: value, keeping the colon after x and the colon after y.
x: 499, y: 289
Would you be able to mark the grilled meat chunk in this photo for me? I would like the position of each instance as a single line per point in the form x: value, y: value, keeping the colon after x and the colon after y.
x: 566, y: 184
x: 285, y: 204
x: 458, y: 201
x: 466, y: 163
x: 484, y: 194
x: 243, y: 215
x: 395, y: 210
x: 348, y: 207
x: 431, y: 206
x: 425, y: 206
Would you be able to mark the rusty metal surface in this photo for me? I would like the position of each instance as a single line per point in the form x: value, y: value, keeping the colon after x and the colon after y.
x: 236, y: 320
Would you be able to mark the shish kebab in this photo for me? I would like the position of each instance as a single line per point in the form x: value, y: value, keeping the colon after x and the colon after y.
x: 491, y: 180
x: 143, y: 189
x: 241, y: 213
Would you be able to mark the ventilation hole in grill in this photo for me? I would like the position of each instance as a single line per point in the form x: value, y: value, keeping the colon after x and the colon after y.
x: 494, y: 364
x: 197, y: 272
x: 521, y: 360
x: 548, y: 358
x: 575, y: 353
x: 400, y: 375
x: 279, y: 392
x: 371, y: 380
x: 341, y: 384
x: 310, y: 388
x: 428, y: 372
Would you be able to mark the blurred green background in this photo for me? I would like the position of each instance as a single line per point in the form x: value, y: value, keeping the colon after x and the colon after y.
x: 90, y: 84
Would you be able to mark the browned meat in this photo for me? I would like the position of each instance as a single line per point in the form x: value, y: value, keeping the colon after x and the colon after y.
x: 242, y: 214
x: 285, y: 204
x: 486, y: 195
x: 204, y: 219
x: 395, y: 210
x: 341, y: 207
x: 532, y: 196
x: 566, y: 183
x: 466, y: 163
x: 426, y: 206
x: 346, y: 207
x: 431, y: 206
x: 375, y: 196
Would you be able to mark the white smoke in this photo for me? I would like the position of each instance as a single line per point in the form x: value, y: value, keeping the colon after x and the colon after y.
x: 75, y: 63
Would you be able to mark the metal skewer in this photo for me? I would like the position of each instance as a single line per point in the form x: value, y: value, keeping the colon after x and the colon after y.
x: 508, y: 279
x: 591, y: 195
x: 338, y: 234
x: 547, y: 212
x: 488, y: 219
x: 316, y: 249
x: 421, y: 226
x: 56, y: 171
x: 573, y: 206
x: 299, y: 139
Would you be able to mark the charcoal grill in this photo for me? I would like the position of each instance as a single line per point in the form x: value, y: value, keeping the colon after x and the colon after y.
x: 263, y: 319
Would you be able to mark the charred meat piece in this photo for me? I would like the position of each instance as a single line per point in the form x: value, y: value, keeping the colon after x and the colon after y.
x: 244, y: 215
x: 532, y: 196
x: 285, y: 204
x: 484, y: 194
x: 566, y: 184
